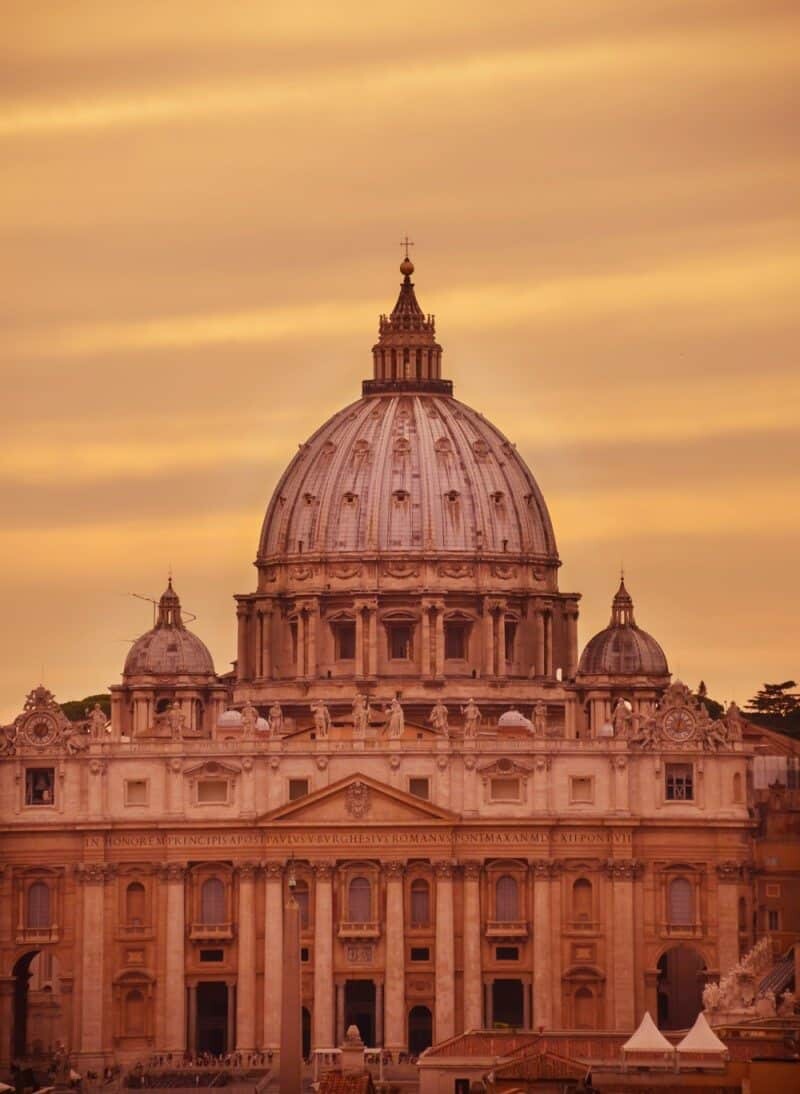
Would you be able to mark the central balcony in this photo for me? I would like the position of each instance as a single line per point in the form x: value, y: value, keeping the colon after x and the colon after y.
x: 506, y: 928
x: 371, y: 929
x: 210, y: 932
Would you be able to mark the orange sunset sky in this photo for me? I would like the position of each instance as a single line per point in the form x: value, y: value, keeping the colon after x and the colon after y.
x: 201, y: 204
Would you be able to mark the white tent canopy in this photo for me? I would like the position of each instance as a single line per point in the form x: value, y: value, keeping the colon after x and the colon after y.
x: 701, y: 1038
x: 647, y: 1038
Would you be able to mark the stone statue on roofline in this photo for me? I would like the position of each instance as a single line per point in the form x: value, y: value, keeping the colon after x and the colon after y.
x: 176, y: 720
x: 360, y: 715
x: 438, y: 718
x: 249, y: 720
x: 96, y: 723
x: 395, y: 719
x: 276, y: 720
x: 539, y: 718
x: 322, y: 717
x: 472, y: 718
x: 621, y: 717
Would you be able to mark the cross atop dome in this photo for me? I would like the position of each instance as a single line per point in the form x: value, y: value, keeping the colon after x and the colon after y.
x: 407, y: 356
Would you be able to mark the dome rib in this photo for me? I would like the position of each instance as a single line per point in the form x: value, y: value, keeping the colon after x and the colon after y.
x: 448, y: 447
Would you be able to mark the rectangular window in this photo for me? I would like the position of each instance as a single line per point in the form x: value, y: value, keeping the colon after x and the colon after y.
x: 419, y: 787
x: 505, y: 790
x: 298, y: 788
x: 400, y: 641
x: 679, y: 784
x: 305, y: 953
x: 212, y: 791
x: 507, y: 953
x: 345, y: 638
x: 773, y: 919
x: 136, y: 791
x: 581, y: 788
x: 773, y: 889
x: 511, y: 638
x: 455, y: 640
x: 212, y: 955
x: 420, y: 953
x: 40, y: 786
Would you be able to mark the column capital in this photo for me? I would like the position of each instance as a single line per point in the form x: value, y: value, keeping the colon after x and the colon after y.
x: 323, y: 871
x: 545, y: 869
x: 433, y: 603
x: 247, y: 870
x: 730, y: 871
x: 273, y: 870
x: 172, y: 871
x: 394, y: 869
x: 623, y: 869
x: 494, y: 603
x: 365, y: 603
x: 444, y: 869
x: 95, y: 873
x: 472, y: 870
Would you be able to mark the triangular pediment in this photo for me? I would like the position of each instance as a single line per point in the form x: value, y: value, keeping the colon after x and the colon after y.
x: 359, y: 799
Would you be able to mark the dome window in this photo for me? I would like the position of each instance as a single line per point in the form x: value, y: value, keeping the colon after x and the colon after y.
x: 400, y: 496
x: 309, y: 499
x: 452, y: 496
x: 442, y: 444
x: 350, y: 498
x: 498, y: 497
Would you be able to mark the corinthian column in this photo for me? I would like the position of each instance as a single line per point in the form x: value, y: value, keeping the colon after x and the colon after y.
x: 273, y: 954
x: 323, y: 956
x: 395, y: 994
x: 93, y: 879
x: 729, y: 874
x: 246, y: 971
x: 473, y: 976
x: 543, y: 943
x: 445, y: 1018
x: 621, y: 874
x: 174, y: 983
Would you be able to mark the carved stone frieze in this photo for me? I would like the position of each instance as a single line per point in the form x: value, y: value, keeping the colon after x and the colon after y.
x: 730, y: 871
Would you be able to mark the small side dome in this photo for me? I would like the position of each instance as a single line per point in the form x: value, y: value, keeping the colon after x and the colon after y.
x: 169, y: 649
x: 230, y: 718
x: 516, y: 719
x: 623, y: 649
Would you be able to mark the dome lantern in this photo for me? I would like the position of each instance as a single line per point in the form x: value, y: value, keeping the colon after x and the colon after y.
x: 407, y: 356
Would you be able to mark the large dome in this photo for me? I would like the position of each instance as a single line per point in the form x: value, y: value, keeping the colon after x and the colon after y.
x: 412, y: 470
x: 169, y: 649
x: 623, y: 649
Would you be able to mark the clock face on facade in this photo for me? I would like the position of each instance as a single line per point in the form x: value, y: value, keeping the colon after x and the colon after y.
x: 41, y: 731
x: 679, y: 725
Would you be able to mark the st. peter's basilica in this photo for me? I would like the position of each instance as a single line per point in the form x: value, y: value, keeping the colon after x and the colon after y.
x: 485, y: 825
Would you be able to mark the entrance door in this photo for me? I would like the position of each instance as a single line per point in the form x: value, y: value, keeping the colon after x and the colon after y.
x: 680, y: 987
x: 420, y: 1030
x: 359, y: 1008
x: 212, y: 1017
x: 507, y: 1003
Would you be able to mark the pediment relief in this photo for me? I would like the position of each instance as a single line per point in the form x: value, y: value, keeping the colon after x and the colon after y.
x: 506, y: 768
x: 212, y: 769
x: 360, y: 799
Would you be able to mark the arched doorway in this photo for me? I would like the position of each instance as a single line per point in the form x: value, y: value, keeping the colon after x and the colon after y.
x: 420, y: 1030
x: 680, y: 987
x: 38, y: 1014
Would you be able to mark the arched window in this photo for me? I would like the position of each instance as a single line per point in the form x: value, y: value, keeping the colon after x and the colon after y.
x: 507, y: 899
x: 134, y: 1014
x: 212, y: 901
x: 134, y: 904
x: 301, y: 896
x: 681, y: 911
x: 582, y: 901
x: 38, y: 905
x: 420, y: 903
x: 359, y: 900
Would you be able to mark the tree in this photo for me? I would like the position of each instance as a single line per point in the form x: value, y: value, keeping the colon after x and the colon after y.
x: 715, y: 709
x: 75, y: 709
x: 776, y: 701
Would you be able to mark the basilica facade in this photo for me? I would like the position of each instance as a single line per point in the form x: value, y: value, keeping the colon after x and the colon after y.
x: 483, y: 824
